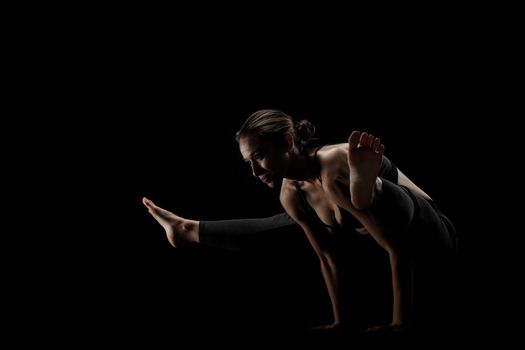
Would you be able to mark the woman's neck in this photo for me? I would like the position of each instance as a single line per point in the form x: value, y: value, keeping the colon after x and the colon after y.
x: 304, y: 165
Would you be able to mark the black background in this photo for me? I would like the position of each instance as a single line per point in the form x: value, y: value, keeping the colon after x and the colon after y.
x: 116, y: 117
x: 175, y: 146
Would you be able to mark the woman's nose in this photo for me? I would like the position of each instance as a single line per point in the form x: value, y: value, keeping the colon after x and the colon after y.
x: 256, y: 169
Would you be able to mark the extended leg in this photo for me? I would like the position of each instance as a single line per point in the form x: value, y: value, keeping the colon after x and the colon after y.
x: 230, y: 234
x: 225, y: 234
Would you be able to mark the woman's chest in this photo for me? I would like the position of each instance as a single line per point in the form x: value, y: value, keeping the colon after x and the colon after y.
x: 320, y: 203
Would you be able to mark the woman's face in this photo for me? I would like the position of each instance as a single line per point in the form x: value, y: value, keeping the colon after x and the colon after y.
x: 268, y: 160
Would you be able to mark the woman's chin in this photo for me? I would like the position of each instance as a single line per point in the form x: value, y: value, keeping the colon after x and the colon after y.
x: 275, y: 183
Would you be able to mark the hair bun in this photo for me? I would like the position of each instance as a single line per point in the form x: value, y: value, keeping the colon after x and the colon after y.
x: 305, y: 130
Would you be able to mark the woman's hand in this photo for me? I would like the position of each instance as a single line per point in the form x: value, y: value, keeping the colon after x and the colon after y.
x: 329, y: 328
x: 385, y: 329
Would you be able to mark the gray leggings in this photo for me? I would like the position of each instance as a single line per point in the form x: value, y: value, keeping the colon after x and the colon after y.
x: 235, y: 234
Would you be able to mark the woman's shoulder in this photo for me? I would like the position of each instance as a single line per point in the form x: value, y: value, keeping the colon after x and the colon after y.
x: 288, y: 189
x: 291, y: 201
x: 333, y: 160
x: 329, y: 154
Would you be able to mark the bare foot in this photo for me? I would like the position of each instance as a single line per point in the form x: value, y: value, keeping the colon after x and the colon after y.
x: 178, y: 230
x: 365, y: 154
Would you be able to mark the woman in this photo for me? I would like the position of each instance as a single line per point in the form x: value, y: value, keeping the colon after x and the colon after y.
x: 333, y: 190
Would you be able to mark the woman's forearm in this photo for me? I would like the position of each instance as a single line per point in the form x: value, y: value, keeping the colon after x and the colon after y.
x: 331, y: 280
x: 400, y: 264
x: 397, y: 308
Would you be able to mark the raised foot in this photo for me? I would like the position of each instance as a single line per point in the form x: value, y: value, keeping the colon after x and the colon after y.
x: 365, y: 154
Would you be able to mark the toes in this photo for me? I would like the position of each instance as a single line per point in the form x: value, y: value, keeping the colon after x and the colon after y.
x: 381, y: 149
x: 363, y: 139
x: 376, y: 144
x: 148, y: 203
x: 370, y: 140
x: 353, y: 140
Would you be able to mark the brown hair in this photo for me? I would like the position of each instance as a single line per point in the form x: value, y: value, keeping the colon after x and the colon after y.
x: 271, y: 124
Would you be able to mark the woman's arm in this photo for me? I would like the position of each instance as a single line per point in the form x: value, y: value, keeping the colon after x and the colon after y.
x: 328, y: 268
x: 364, y: 159
x: 321, y: 241
x: 395, y: 258
x: 338, y: 192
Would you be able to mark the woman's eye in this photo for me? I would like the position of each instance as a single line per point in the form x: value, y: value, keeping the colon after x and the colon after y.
x: 257, y: 156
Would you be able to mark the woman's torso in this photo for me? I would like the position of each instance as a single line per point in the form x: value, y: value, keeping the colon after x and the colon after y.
x: 328, y: 194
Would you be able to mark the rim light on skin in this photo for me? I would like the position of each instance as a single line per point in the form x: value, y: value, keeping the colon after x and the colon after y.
x: 267, y: 160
